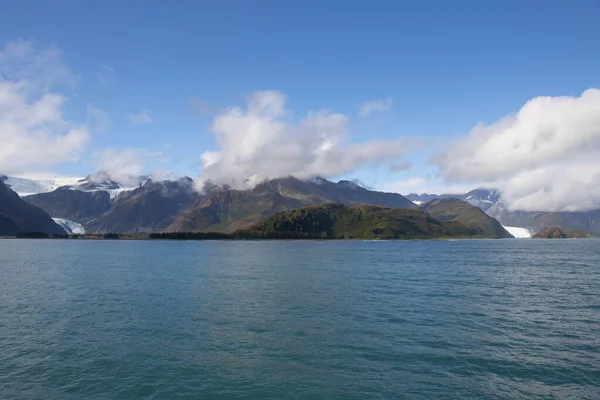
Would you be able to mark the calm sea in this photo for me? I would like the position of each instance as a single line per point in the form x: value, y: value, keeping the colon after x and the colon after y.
x: 470, y: 319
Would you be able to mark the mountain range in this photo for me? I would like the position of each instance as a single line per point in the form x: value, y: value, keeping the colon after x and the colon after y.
x: 490, y: 201
x: 100, y: 204
x: 169, y: 206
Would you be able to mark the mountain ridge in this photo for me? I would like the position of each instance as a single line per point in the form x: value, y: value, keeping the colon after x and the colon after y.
x: 18, y: 216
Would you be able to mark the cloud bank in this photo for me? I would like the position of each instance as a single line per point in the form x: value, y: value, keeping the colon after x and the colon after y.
x: 126, y: 165
x: 258, y: 143
x: 33, y: 132
x: 544, y: 157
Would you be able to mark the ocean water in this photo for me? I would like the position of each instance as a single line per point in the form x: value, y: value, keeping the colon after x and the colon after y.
x: 467, y: 319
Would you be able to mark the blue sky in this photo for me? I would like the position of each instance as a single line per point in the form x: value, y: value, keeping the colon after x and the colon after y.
x: 436, y: 69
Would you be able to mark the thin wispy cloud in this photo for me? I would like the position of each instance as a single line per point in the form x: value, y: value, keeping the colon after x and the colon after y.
x: 142, y: 117
x: 202, y: 107
x: 97, y: 119
x: 106, y: 74
x: 373, y: 106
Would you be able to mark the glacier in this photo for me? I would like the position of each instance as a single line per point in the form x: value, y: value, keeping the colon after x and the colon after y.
x: 517, y: 232
x: 26, y: 187
x: 72, y: 227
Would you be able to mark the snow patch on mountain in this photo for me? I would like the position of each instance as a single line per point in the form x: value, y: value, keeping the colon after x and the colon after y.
x: 72, y: 227
x: 518, y: 233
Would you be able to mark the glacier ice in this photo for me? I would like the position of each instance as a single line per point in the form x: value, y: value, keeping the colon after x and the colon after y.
x: 72, y: 227
x: 518, y: 233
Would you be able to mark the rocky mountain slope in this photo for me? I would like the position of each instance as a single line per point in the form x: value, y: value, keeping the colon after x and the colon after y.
x: 336, y: 221
x: 17, y: 216
x: 230, y: 210
x: 452, y: 209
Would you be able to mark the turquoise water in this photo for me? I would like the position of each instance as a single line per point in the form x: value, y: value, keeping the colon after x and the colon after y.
x: 472, y: 319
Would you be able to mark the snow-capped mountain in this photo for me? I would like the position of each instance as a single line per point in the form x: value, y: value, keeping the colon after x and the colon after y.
x: 482, y: 198
x: 26, y: 187
x: 102, y: 181
x: 91, y: 183
x: 420, y: 199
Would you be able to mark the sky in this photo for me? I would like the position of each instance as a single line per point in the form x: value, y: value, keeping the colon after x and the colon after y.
x: 430, y: 96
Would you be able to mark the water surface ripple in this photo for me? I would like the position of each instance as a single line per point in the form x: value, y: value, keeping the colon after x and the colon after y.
x: 471, y: 319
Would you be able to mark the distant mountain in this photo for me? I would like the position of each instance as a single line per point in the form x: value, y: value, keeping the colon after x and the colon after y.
x: 420, y: 199
x: 74, y: 205
x: 490, y: 201
x: 101, y: 181
x: 481, y: 197
x: 175, y: 205
x: 147, y: 209
x: 91, y: 183
x: 336, y: 221
x: 452, y: 209
x: 580, y: 221
x: 230, y: 210
x: 17, y: 216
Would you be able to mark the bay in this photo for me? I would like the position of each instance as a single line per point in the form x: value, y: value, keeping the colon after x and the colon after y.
x: 469, y: 319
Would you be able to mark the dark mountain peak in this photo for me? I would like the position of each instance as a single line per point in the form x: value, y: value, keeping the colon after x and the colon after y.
x: 3, y: 178
x: 100, y: 180
x: 354, y: 184
x: 280, y: 184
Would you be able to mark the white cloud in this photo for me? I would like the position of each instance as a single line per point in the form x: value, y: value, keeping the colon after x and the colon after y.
x: 368, y: 108
x: 544, y: 157
x: 34, y: 70
x: 257, y: 144
x: 33, y: 131
x: 142, y: 117
x: 124, y: 165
